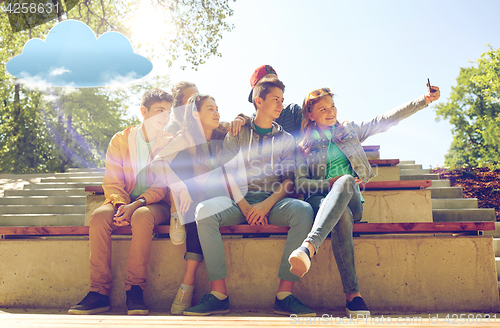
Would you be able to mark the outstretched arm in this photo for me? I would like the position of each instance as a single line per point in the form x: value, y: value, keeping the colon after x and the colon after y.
x: 391, y: 118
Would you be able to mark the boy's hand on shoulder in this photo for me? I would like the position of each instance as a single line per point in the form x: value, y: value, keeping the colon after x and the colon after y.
x: 236, y: 124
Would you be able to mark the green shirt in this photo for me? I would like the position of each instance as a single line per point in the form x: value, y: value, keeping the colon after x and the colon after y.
x: 262, y: 131
x: 338, y: 164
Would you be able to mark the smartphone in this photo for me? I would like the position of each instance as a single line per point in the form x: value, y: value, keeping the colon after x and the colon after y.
x: 429, y: 85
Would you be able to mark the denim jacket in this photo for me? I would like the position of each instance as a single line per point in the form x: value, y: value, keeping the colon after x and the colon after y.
x: 311, y: 170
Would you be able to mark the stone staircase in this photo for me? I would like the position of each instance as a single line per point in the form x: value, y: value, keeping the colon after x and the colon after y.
x: 60, y: 198
x: 448, y: 204
x: 54, y: 199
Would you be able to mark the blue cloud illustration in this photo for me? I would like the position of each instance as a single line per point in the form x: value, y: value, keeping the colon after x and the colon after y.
x: 72, y: 56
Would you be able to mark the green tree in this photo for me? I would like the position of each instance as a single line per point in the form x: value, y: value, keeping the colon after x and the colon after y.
x: 473, y: 109
x: 51, y: 131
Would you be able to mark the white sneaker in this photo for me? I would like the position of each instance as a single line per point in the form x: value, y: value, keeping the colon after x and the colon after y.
x: 300, y: 262
x: 177, y: 230
x: 182, y: 301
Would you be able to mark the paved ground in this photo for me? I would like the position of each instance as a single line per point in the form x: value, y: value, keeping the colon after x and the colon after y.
x: 58, y: 318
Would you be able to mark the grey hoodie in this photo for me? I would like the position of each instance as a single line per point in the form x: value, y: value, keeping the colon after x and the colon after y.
x: 268, y: 159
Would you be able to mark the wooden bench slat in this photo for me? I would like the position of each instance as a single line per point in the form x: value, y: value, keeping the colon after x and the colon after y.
x: 365, y: 228
x: 396, y: 185
x: 423, y: 227
x: 373, y: 185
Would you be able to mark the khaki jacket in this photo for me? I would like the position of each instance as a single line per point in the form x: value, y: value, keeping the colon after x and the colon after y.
x: 121, y: 168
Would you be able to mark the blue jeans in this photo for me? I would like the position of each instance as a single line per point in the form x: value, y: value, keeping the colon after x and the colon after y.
x: 336, y: 212
x: 223, y: 211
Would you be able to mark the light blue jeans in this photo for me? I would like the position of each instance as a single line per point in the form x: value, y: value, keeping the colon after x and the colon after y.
x: 336, y: 212
x: 223, y: 211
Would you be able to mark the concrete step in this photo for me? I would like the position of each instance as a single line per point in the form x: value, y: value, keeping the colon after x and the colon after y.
x: 409, y: 166
x: 495, y: 233
x: 73, y: 179
x: 60, y: 185
x: 414, y: 171
x: 446, y: 192
x: 46, y: 192
x: 406, y: 162
x: 42, y: 209
x: 49, y: 175
x: 43, y: 200
x: 99, y: 169
x: 441, y: 183
x: 496, y: 246
x: 77, y: 174
x: 35, y: 220
x: 453, y: 203
x: 464, y: 215
x: 418, y: 176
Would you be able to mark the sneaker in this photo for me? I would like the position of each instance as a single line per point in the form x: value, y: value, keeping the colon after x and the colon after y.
x: 357, y: 307
x: 93, y: 303
x: 182, y: 301
x: 177, y: 230
x: 209, y: 304
x: 292, y: 305
x: 300, y: 261
x: 135, y: 301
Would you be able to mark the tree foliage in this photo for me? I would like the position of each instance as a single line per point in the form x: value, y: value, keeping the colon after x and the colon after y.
x: 53, y: 129
x: 474, y: 111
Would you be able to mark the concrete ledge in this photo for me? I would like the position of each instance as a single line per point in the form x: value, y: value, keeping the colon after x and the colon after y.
x: 385, y: 173
x: 372, y: 154
x: 389, y: 206
x: 407, y: 274
x: 381, y: 206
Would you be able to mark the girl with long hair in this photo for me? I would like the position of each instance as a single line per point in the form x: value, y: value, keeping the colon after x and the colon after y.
x: 190, y: 167
x: 330, y: 165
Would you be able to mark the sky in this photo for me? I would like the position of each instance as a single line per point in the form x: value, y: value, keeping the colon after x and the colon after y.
x: 373, y: 54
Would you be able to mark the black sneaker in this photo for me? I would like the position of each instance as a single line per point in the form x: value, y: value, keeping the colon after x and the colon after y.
x: 135, y: 302
x: 292, y: 305
x: 93, y: 303
x: 357, y: 307
x: 209, y: 304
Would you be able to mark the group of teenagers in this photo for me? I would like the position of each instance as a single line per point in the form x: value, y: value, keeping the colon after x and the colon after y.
x: 184, y: 167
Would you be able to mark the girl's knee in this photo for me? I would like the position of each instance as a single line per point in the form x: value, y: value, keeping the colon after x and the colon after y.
x: 346, y: 183
x: 348, y: 179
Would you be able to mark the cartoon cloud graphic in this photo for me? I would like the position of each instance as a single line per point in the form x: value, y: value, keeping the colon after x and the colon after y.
x: 72, y: 56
